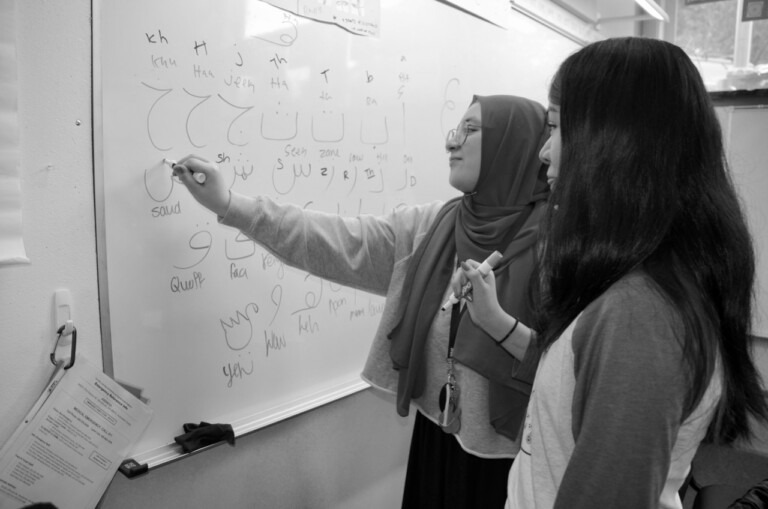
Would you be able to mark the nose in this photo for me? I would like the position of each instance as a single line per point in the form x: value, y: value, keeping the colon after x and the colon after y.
x: 450, y: 141
x: 544, y: 152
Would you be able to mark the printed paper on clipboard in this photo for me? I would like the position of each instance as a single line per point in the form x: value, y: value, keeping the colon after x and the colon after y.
x: 69, y: 446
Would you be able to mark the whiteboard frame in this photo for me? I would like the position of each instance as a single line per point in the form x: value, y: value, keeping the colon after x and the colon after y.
x: 98, y: 191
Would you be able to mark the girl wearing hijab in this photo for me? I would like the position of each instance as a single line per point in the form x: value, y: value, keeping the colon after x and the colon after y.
x: 470, y: 395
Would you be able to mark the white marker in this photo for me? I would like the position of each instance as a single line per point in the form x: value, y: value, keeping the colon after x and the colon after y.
x: 198, y: 176
x: 484, y: 269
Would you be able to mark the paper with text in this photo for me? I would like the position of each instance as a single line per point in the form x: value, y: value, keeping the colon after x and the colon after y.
x: 361, y: 17
x: 69, y: 446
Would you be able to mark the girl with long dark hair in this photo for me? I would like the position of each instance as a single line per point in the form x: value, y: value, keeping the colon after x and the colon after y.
x: 645, y: 284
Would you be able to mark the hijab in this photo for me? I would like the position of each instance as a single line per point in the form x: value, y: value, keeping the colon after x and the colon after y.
x: 502, y: 213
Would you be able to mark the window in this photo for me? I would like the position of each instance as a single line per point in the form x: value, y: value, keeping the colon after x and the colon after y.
x: 731, y: 54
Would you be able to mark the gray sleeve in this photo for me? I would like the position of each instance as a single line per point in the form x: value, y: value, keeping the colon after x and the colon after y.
x: 628, y: 401
x: 354, y: 251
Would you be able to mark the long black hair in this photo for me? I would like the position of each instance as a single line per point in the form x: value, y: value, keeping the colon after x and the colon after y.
x: 644, y: 184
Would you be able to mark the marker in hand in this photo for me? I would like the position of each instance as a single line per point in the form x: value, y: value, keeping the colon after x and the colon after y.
x: 198, y: 176
x: 484, y: 269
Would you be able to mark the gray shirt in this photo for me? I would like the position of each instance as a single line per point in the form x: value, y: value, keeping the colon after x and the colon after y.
x: 605, y: 425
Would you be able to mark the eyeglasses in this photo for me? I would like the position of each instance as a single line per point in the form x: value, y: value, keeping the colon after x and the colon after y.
x: 459, y: 135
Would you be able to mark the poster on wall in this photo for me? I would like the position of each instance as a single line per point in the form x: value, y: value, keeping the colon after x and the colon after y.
x: 362, y: 17
x: 11, y: 239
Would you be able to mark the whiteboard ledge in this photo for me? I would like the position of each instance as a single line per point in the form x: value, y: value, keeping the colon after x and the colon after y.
x: 172, y: 452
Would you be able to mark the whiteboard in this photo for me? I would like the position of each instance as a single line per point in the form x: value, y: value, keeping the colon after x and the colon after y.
x: 208, y: 324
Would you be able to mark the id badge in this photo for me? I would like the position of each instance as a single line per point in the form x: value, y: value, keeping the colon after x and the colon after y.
x: 450, y: 413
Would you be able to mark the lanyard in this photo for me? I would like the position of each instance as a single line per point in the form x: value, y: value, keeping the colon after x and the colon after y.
x: 456, y: 314
x: 450, y: 413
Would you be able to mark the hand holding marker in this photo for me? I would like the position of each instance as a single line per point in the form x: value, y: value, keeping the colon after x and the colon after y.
x: 466, y: 290
x: 198, y: 176
x: 204, y: 182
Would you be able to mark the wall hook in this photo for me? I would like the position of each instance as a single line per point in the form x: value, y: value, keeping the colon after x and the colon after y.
x: 66, y: 330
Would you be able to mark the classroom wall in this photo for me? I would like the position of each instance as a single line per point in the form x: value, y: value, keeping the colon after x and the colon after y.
x: 348, y: 454
x: 54, y: 94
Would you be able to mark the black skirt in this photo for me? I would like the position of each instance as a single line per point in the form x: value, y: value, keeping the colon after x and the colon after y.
x: 441, y: 475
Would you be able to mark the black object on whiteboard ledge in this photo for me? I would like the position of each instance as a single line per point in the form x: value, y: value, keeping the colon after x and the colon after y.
x: 196, y: 437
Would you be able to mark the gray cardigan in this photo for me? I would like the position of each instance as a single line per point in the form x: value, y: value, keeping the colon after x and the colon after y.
x: 373, y: 253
